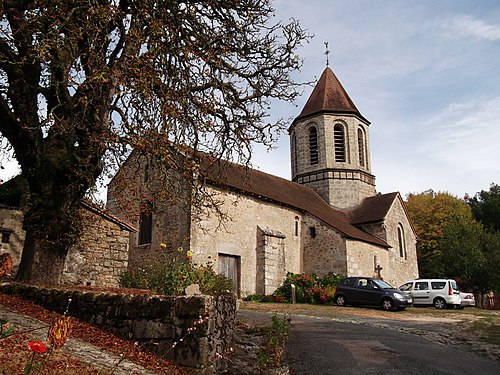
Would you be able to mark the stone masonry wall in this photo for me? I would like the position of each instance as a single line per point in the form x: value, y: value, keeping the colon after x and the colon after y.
x: 325, y: 251
x: 100, y: 256
x: 362, y: 258
x: 403, y: 268
x: 130, y: 191
x: 270, y: 261
x: 155, y: 321
x: 341, y: 190
x: 239, y: 236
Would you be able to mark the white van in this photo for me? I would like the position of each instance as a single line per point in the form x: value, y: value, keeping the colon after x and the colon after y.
x: 441, y: 293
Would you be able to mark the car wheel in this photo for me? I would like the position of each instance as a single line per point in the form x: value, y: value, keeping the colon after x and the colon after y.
x: 340, y: 300
x: 439, y: 303
x: 387, y: 304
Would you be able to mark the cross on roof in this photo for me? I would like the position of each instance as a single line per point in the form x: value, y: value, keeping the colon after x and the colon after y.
x: 327, y: 51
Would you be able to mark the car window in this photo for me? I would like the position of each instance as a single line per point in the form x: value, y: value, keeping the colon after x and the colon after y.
x: 422, y: 285
x: 453, y: 285
x: 362, y: 282
x: 438, y: 284
x: 406, y: 287
x: 348, y: 281
x: 382, y: 284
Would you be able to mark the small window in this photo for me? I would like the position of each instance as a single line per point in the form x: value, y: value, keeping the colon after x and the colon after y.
x: 313, y: 146
x: 5, y: 237
x: 145, y: 228
x: 401, y: 241
x: 312, y: 232
x: 296, y: 226
x: 339, y: 142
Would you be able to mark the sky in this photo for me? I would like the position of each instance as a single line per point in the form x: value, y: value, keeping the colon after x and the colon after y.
x: 425, y: 73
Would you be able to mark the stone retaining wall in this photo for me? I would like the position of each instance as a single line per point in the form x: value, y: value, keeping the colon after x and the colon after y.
x: 189, y: 330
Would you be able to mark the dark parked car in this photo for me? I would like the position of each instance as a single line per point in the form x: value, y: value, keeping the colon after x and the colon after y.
x: 369, y: 291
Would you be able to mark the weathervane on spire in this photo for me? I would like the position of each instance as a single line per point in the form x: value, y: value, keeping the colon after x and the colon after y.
x: 327, y: 51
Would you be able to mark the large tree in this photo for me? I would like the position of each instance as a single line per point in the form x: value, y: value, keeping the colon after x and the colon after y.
x: 486, y: 207
x: 85, y: 81
x: 430, y: 212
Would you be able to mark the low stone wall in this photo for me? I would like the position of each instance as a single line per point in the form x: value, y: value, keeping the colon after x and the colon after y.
x: 190, y: 330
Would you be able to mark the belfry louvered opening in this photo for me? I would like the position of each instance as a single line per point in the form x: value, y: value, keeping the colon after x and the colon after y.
x: 339, y: 141
x: 313, y: 145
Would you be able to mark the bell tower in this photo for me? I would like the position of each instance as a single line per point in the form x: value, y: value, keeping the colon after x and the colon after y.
x: 329, y: 145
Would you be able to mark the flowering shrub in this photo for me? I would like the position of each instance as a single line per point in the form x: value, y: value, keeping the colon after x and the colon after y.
x: 320, y: 295
x: 308, y: 288
x: 176, y: 274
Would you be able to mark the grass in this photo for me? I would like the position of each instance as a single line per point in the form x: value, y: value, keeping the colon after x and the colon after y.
x: 488, y: 329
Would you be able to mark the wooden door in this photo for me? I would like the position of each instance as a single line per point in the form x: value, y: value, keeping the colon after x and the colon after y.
x: 229, y: 266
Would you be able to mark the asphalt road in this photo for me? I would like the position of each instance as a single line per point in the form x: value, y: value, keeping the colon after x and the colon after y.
x: 320, y: 346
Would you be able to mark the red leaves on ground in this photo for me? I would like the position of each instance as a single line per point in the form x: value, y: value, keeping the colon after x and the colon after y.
x: 95, y: 336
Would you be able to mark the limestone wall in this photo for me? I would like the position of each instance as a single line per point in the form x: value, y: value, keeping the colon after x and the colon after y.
x: 139, y: 185
x: 342, y: 184
x: 101, y: 254
x: 324, y: 248
x: 396, y: 269
x: 362, y: 258
x: 241, y: 237
x: 155, y: 321
x: 402, y: 268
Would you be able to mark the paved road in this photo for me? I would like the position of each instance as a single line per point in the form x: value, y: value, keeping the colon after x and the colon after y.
x: 320, y: 346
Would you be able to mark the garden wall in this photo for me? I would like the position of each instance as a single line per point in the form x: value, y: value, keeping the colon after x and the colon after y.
x: 157, y: 322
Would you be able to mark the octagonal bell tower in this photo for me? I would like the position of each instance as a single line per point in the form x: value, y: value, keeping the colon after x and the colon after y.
x: 329, y: 145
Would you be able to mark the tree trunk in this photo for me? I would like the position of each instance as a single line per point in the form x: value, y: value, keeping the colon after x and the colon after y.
x: 51, y: 227
x: 42, y: 262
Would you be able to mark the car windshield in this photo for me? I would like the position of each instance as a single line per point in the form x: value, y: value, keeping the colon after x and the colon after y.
x: 382, y: 284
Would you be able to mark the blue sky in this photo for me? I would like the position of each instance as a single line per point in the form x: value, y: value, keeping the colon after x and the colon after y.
x: 425, y: 73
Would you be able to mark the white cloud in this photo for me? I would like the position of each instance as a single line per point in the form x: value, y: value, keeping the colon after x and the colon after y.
x: 464, y: 25
x: 464, y: 135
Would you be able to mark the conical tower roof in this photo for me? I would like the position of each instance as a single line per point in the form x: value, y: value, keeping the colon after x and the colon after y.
x: 329, y: 96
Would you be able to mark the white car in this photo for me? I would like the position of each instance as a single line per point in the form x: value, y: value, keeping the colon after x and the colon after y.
x: 467, y: 299
x: 440, y: 293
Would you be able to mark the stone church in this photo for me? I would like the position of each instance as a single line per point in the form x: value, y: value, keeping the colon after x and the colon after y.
x: 329, y: 218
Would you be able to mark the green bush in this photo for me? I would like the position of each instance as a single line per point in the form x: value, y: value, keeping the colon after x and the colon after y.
x: 175, y: 275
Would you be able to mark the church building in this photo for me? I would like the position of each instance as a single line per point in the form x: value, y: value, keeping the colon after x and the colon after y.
x: 329, y: 218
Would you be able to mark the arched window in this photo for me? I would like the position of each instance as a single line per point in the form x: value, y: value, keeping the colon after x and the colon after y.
x: 313, y: 145
x: 401, y: 241
x: 361, y: 148
x: 296, y: 225
x: 339, y: 142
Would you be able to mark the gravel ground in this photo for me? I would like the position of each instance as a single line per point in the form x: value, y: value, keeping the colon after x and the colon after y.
x: 475, y: 329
